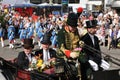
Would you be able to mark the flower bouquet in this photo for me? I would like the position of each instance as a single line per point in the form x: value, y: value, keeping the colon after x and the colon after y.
x: 35, y: 64
x: 78, y: 53
x: 75, y: 53
x: 48, y: 67
x: 39, y: 65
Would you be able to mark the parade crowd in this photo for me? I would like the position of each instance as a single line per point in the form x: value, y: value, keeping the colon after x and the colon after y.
x: 35, y: 26
x: 63, y: 34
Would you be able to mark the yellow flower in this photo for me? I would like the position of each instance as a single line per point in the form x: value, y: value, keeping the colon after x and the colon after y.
x: 39, y: 63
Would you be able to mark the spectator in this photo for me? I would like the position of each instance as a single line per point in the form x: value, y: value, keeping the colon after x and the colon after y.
x: 1, y: 35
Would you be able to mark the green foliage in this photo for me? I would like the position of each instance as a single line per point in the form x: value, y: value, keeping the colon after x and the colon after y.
x: 2, y: 21
x: 82, y: 58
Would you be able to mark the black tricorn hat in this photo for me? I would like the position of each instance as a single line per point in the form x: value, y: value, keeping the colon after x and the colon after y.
x: 72, y: 19
x: 91, y: 23
x: 46, y: 39
x: 28, y: 43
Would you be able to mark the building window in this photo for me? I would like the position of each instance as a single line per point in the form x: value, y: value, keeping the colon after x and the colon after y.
x: 70, y: 1
x: 45, y: 1
x: 35, y: 1
x: 54, y: 1
x: 57, y: 1
x: 74, y: 1
x: 95, y: 0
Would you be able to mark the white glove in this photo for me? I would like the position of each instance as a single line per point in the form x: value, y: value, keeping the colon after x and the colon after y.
x: 105, y: 65
x: 74, y: 55
x: 93, y: 65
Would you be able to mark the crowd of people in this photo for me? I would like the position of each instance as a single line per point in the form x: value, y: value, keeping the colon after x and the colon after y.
x: 35, y: 26
x: 59, y: 36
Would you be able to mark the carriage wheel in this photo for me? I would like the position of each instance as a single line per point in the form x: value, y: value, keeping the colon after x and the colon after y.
x: 8, y: 75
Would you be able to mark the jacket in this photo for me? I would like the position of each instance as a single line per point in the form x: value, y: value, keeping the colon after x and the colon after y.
x: 23, y: 61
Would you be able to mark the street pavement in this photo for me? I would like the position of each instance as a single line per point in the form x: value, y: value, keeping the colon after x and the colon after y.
x: 9, y: 54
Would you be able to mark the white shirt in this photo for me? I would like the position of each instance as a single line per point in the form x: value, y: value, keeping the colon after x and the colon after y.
x: 92, y: 37
x: 29, y: 57
x: 118, y: 35
x: 46, y: 55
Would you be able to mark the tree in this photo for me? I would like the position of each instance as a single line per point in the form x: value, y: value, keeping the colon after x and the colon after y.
x: 2, y: 21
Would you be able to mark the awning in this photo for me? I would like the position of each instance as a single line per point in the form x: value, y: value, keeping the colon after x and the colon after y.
x: 24, y: 5
x: 115, y: 4
x: 13, y: 2
x: 94, y: 2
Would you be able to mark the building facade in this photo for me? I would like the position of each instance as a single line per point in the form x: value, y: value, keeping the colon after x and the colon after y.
x: 87, y: 4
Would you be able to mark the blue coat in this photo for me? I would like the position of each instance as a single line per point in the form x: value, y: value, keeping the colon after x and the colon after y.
x: 30, y: 31
x: 40, y: 32
x: 1, y: 32
x: 21, y: 27
x: 23, y: 33
x: 11, y: 32
x: 54, y: 38
x: 37, y: 25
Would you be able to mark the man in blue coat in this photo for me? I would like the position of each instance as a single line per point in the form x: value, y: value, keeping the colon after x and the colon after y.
x: 11, y: 35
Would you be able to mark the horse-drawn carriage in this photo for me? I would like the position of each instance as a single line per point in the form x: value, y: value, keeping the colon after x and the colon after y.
x: 64, y: 70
